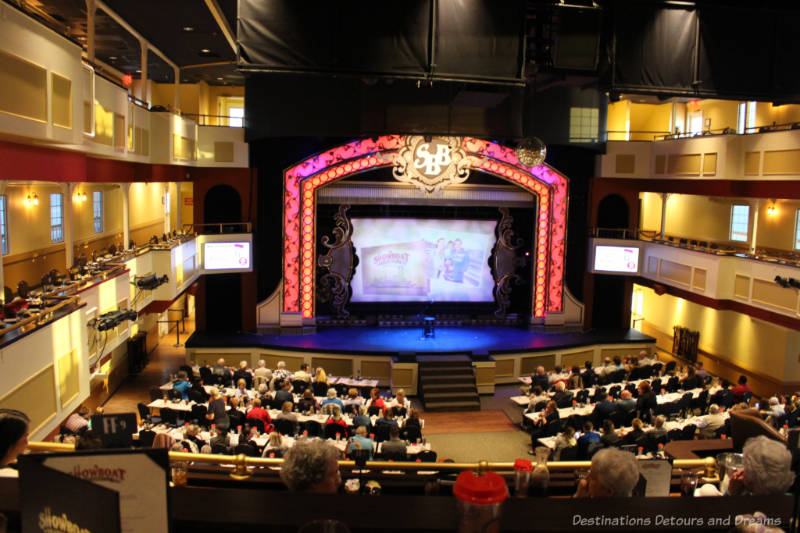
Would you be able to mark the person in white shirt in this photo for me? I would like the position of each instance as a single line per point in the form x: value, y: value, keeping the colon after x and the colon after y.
x: 302, y: 374
x: 537, y: 396
x: 261, y: 374
x: 401, y: 401
x: 557, y: 375
x: 709, y: 424
x: 280, y: 372
x: 645, y: 359
x: 775, y: 407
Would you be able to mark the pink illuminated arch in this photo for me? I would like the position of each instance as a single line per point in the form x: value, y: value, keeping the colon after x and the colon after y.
x: 299, y: 212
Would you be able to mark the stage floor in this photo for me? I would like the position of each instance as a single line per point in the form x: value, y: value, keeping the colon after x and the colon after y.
x: 365, y: 340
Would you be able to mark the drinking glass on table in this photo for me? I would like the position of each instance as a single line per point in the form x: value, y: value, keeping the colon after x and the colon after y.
x: 689, y: 481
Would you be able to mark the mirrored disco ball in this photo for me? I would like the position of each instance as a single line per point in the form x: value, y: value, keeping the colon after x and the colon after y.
x: 531, y: 151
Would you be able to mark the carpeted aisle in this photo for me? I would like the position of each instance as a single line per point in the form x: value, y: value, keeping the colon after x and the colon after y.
x: 493, y: 446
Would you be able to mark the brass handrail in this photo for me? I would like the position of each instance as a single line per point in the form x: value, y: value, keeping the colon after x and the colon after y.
x: 241, y: 462
x: 192, y: 228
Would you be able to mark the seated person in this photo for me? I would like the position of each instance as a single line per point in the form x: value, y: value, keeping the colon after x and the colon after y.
x: 262, y: 374
x: 626, y: 403
x: 387, y: 419
x: 645, y: 359
x: 723, y: 397
x: 588, y: 375
x: 603, y: 409
x: 658, y: 431
x: 540, y: 378
x: 311, y: 466
x: 607, y: 368
x: 217, y: 414
x: 575, y: 380
x: 537, y: 396
x: 287, y: 414
x: 198, y: 391
x: 556, y: 375
x: 275, y: 446
x: 647, y: 402
x: 241, y: 391
x: 222, y: 371
x: 259, y: 413
x: 302, y: 374
x: 550, y: 414
x: 307, y: 403
x: 361, y: 419
x: 610, y: 436
x: 691, y: 381
x: 375, y: 399
x: 634, y: 436
x: 360, y: 441
x: 613, y: 474
x: 280, y: 373
x: 353, y: 400
x: 243, y: 373
x: 766, y: 468
x: 589, y: 437
x: 332, y: 399
x: 710, y: 423
x: 263, y: 394
x: 699, y: 371
x: 78, y: 421
x: 13, y: 435
x: 394, y: 445
x: 565, y: 439
x: 336, y: 419
x: 192, y: 434
x: 182, y: 385
x: 235, y: 415
x: 401, y: 401
x: 561, y: 395
x: 320, y: 376
x: 284, y: 394
x: 412, y: 420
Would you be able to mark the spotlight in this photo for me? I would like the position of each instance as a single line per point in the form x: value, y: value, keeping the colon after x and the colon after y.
x: 794, y: 283
x: 112, y: 319
x: 151, y: 282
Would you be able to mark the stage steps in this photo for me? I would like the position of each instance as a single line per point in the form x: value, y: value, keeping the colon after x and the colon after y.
x: 447, y: 383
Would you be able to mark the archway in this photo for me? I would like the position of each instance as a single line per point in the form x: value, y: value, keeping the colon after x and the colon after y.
x: 612, y: 213
x: 299, y: 213
x: 221, y: 204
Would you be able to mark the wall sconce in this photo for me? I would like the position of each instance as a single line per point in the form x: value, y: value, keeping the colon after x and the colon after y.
x: 772, y: 210
x: 80, y: 197
x: 32, y: 199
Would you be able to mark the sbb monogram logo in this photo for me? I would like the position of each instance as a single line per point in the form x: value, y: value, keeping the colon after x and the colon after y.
x: 429, y: 158
x: 432, y: 163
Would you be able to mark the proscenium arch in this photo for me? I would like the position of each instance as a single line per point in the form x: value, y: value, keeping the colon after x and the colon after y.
x: 300, y: 208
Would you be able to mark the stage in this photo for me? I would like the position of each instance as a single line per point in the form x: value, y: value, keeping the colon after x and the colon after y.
x: 389, y: 341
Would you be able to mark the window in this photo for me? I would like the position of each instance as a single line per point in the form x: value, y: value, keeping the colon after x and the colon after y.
x: 97, y: 211
x: 56, y: 217
x: 740, y: 219
x: 741, y: 118
x: 583, y: 124
x: 4, y: 223
x: 236, y: 116
x: 695, y: 122
x: 751, y: 117
x: 796, y: 232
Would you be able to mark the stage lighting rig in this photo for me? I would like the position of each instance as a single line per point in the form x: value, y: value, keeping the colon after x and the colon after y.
x: 112, y: 319
x: 794, y: 283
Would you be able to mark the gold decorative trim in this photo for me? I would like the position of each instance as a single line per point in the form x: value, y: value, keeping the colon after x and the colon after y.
x: 431, y: 163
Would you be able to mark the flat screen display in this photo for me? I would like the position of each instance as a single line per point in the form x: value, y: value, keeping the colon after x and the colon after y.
x: 226, y: 256
x: 622, y: 259
x: 418, y: 260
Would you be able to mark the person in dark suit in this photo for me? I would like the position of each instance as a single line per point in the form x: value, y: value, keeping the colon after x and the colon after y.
x: 723, y: 397
x: 609, y: 437
x: 540, y: 378
x: 561, y: 395
x: 284, y: 394
x: 243, y: 373
x: 603, y: 409
x: 550, y: 414
x: 588, y: 375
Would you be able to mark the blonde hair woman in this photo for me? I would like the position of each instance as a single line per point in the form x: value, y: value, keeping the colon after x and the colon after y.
x: 321, y: 376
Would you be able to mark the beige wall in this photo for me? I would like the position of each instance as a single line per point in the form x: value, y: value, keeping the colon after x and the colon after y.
x: 723, y: 113
x: 29, y: 226
x: 617, y: 120
x: 699, y: 217
x: 649, y: 117
x: 163, y: 94
x: 778, y: 230
x: 651, y: 211
x: 145, y: 203
x: 747, y: 342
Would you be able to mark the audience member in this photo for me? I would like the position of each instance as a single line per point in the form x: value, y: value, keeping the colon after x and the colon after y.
x: 241, y: 391
x: 353, y: 401
x: 287, y: 414
x: 361, y: 419
x: 587, y: 440
x: 614, y: 473
x: 537, y: 396
x: 262, y: 374
x: 766, y: 468
x: 320, y: 376
x: 163, y: 440
x: 235, y: 416
x: 275, y: 446
x: 394, y: 445
x: 626, y: 403
x: 565, y: 439
x: 78, y: 421
x: 360, y: 441
x: 741, y: 389
x: 375, y: 400
x: 182, y: 385
x: 13, y: 435
x: 307, y: 403
x: 332, y: 399
x: 400, y: 401
x: 549, y: 415
x: 311, y: 466
x: 302, y: 374
x: 198, y: 391
x: 635, y: 435
x: 658, y: 431
x: 610, y: 436
x: 645, y: 359
x: 243, y: 373
x: 259, y: 413
x: 588, y: 375
x: 387, y: 419
x: 699, y: 371
x: 561, y: 395
x: 647, y: 402
x: 575, y: 380
x: 603, y: 408
x: 710, y: 423
x: 336, y: 419
x: 284, y: 393
x: 280, y: 373
x: 540, y: 378
x: 217, y: 414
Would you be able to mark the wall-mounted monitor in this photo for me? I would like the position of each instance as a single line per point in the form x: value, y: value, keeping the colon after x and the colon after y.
x: 227, y: 256
x: 613, y: 256
x: 422, y: 260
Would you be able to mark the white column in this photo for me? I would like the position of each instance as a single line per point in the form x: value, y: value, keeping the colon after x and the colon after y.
x: 664, y: 198
x: 178, y: 207
x: 69, y: 244
x: 166, y: 200
x: 125, y: 188
x: 755, y: 227
x: 143, y: 96
x: 91, y: 9
x: 176, y: 104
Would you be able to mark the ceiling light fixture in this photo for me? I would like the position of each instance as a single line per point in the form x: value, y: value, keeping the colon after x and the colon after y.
x: 205, y: 51
x: 188, y: 28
